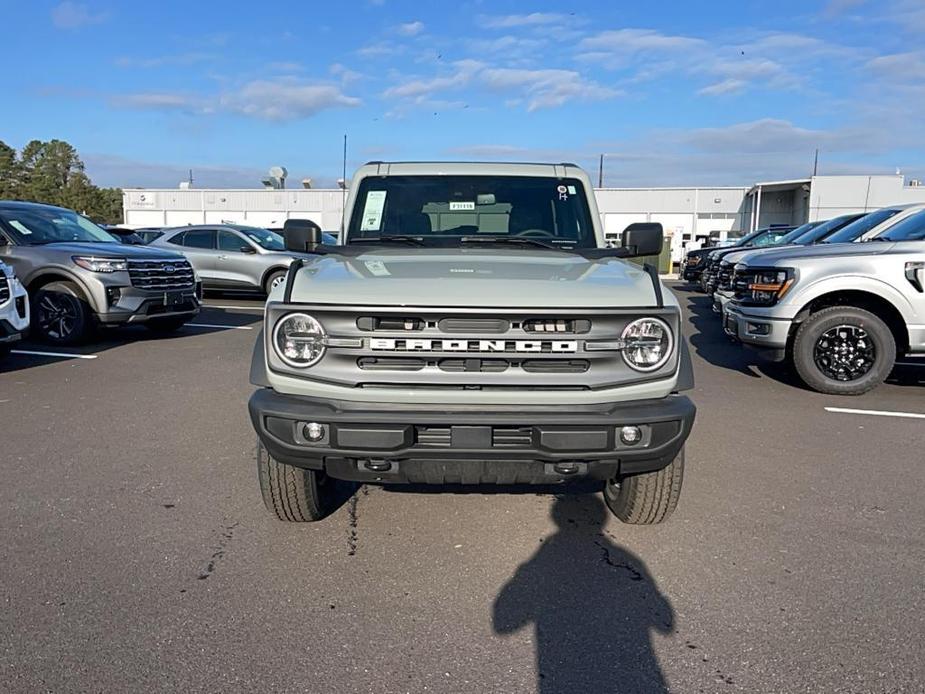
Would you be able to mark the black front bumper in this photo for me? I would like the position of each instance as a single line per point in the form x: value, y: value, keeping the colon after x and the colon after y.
x: 503, y: 445
x: 692, y: 274
x: 141, y: 305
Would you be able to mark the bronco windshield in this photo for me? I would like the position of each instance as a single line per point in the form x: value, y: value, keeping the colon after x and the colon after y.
x: 36, y: 226
x: 445, y: 210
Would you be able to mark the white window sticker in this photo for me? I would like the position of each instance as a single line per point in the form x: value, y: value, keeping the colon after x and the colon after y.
x: 377, y: 268
x: 16, y: 224
x: 461, y: 206
x: 372, y: 212
x: 571, y: 190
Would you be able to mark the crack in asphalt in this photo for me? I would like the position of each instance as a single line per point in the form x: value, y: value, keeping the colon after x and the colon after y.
x: 219, y: 553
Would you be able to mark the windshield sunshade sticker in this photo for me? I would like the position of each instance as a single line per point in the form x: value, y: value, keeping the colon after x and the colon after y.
x: 372, y: 211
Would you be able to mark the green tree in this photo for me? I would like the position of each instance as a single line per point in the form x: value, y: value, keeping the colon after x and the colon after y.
x: 52, y: 172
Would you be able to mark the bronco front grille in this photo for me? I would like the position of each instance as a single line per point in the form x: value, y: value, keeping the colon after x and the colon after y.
x: 161, y: 274
x: 4, y: 289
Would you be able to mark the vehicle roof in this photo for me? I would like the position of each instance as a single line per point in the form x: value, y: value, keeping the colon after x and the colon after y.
x: 235, y: 227
x: 462, y: 168
x: 27, y: 204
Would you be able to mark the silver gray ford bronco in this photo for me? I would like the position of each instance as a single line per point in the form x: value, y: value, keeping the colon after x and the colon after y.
x: 472, y: 328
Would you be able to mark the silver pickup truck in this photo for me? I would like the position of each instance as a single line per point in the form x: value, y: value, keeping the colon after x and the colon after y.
x: 472, y: 328
x: 841, y: 312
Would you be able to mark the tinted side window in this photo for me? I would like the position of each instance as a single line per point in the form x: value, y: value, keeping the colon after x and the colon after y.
x: 177, y: 239
x: 199, y: 238
x: 229, y: 241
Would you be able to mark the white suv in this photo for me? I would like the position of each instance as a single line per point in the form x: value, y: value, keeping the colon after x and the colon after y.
x: 14, y: 309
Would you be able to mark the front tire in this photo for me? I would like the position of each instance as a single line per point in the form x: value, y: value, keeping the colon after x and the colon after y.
x: 843, y: 350
x: 62, y: 315
x: 292, y: 493
x: 647, y: 498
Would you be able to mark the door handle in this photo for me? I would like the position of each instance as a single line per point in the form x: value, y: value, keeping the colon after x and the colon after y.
x: 223, y: 257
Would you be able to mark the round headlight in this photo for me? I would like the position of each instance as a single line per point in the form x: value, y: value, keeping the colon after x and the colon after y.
x: 299, y: 340
x: 648, y: 344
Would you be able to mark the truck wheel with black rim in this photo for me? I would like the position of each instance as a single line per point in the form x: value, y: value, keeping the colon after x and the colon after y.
x: 843, y: 350
x: 293, y: 493
x: 61, y: 314
x: 166, y: 325
x: 647, y: 498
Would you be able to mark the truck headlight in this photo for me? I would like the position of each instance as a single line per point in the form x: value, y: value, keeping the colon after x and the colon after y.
x: 694, y: 260
x: 88, y: 262
x: 299, y: 340
x: 647, y: 344
x: 763, y: 287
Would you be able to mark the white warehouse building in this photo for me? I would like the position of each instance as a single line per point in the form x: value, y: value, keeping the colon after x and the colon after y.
x: 688, y: 215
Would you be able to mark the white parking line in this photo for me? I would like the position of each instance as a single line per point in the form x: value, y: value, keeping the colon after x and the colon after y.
x: 876, y: 413
x: 224, y: 327
x: 62, y: 355
x: 239, y: 308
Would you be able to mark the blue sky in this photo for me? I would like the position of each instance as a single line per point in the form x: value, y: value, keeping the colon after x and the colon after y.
x: 673, y: 93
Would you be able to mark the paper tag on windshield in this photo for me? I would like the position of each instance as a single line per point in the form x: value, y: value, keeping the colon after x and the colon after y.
x: 462, y: 206
x: 16, y: 224
x: 372, y: 212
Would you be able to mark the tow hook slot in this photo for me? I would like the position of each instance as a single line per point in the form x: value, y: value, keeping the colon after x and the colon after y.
x: 378, y: 465
x: 569, y: 468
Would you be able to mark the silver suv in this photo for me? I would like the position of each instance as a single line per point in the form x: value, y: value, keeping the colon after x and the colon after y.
x: 14, y: 309
x: 842, y: 312
x: 232, y: 256
x: 78, y: 276
x: 473, y: 328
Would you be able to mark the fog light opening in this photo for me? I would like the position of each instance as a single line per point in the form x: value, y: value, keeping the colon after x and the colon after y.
x: 758, y: 328
x: 314, y: 432
x: 630, y: 435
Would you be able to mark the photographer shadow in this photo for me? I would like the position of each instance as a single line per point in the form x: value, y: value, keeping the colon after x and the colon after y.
x: 593, y: 607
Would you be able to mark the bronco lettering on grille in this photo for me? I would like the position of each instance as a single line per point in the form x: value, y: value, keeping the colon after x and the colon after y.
x: 457, y: 345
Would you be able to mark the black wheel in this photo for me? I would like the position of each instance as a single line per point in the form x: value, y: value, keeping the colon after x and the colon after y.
x: 274, y: 280
x: 293, y: 493
x: 61, y: 314
x: 843, y: 351
x: 166, y: 325
x: 647, y: 498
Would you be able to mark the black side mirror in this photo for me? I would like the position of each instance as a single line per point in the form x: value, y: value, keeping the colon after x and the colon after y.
x: 249, y: 250
x: 302, y: 235
x: 643, y: 238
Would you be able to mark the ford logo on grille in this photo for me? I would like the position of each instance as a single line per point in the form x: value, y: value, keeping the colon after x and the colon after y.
x: 170, y: 269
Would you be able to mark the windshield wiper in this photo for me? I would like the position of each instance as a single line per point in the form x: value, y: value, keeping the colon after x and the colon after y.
x: 879, y: 238
x: 510, y: 241
x: 391, y: 238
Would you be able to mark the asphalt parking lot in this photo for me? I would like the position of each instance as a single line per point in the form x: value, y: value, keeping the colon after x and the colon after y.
x: 137, y: 555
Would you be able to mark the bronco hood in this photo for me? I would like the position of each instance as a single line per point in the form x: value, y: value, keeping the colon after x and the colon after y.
x: 463, y: 277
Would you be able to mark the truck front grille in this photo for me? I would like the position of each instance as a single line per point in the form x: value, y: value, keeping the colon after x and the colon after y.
x: 454, y: 349
x: 724, y: 276
x: 4, y: 289
x: 161, y: 274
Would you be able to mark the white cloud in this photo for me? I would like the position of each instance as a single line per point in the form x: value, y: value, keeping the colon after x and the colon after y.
x: 411, y: 28
x: 544, y: 88
x: 159, y: 101
x: 74, y: 15
x: 190, y: 58
x: 524, y: 20
x: 727, y: 86
x: 283, y: 100
x: 834, y: 8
